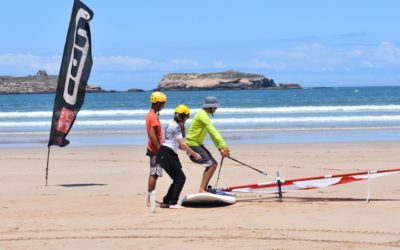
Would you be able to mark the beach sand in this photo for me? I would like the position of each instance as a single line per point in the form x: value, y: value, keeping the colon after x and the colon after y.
x: 95, y: 199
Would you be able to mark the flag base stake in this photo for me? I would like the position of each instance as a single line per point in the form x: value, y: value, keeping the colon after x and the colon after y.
x: 279, y: 182
x: 47, y: 166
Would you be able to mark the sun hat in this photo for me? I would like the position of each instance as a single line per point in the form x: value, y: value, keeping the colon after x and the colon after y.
x: 210, y: 102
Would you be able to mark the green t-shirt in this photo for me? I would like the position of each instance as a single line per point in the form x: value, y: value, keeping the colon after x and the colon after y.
x: 199, y: 127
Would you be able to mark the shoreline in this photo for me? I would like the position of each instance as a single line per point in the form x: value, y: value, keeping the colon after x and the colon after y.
x: 208, y: 145
x: 242, y: 137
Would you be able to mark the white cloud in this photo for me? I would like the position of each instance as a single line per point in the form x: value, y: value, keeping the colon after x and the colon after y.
x: 387, y: 52
x: 28, y: 64
x: 218, y: 64
x: 123, y: 60
x: 319, y: 57
x: 367, y: 64
x: 182, y: 63
x: 107, y: 63
x: 260, y: 64
x: 121, y: 63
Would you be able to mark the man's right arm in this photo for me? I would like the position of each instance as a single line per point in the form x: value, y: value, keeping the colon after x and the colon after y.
x: 215, y: 136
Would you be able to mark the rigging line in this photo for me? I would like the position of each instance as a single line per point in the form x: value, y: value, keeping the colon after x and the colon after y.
x: 244, y: 164
x: 219, y: 172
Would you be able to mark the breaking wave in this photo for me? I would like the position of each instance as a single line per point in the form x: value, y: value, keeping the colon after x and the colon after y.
x: 257, y: 110
x: 264, y: 120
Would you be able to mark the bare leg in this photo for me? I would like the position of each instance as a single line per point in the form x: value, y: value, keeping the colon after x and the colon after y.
x: 208, y: 173
x: 152, y: 186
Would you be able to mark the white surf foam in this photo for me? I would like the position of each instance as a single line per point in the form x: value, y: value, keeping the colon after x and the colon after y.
x: 256, y: 110
x: 263, y: 120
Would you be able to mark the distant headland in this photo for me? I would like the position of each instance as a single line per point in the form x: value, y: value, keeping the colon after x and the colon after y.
x: 37, y: 84
x: 228, y: 80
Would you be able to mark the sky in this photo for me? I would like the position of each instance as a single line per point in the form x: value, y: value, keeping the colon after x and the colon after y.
x: 330, y: 43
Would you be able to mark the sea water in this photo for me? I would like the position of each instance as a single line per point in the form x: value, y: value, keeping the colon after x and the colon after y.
x: 245, y: 116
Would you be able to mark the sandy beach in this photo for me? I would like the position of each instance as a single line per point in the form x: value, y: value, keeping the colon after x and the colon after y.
x: 95, y: 199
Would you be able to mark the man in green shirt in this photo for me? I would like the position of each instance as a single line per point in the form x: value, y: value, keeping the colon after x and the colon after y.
x: 200, y: 126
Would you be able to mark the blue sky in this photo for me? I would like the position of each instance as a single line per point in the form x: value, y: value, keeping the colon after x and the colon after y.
x: 313, y: 43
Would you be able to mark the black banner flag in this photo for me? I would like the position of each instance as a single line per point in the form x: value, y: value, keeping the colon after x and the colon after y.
x: 74, y: 74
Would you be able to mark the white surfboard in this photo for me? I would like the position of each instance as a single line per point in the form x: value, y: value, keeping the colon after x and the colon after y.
x: 219, y: 198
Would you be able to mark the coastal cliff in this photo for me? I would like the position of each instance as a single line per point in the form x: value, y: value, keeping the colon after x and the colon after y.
x: 219, y: 81
x: 39, y: 83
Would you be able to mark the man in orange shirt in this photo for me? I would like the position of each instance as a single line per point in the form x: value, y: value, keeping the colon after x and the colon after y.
x: 154, y: 133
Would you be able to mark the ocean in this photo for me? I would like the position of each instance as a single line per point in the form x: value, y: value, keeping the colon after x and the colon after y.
x: 246, y: 116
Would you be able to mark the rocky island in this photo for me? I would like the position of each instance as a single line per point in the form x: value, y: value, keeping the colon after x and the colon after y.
x: 39, y: 83
x: 220, y: 81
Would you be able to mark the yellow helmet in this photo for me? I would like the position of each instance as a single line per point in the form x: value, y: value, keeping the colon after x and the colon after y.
x: 158, y: 97
x: 182, y: 109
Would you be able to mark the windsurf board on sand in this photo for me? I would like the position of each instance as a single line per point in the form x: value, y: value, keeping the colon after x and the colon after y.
x: 218, y: 198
